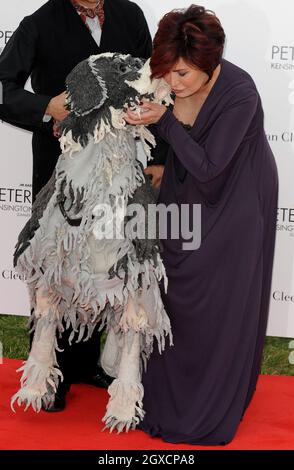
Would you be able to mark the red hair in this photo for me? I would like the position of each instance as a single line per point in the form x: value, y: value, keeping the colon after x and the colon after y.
x: 194, y: 34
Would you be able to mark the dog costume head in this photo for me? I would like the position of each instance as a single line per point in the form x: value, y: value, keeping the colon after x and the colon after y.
x: 98, y: 90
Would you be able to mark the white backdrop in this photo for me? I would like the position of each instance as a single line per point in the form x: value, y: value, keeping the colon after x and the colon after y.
x: 260, y: 40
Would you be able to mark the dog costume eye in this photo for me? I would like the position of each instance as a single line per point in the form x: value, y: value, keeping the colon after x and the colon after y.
x: 124, y: 68
x: 138, y: 64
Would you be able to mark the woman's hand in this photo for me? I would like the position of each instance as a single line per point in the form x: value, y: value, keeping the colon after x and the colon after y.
x: 147, y: 113
x: 156, y: 171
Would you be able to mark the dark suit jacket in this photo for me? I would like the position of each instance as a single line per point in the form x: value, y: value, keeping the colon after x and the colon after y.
x: 46, y: 46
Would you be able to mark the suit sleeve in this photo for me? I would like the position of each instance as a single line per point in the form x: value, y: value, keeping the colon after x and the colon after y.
x: 143, y: 37
x: 159, y: 152
x: 16, y: 64
x: 226, y: 135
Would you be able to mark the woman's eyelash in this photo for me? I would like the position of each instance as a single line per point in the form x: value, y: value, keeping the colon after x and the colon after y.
x: 182, y: 74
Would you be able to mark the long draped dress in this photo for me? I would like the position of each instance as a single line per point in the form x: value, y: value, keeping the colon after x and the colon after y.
x: 218, y: 295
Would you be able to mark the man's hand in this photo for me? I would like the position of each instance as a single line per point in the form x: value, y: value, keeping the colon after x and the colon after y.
x: 56, y: 107
x: 156, y: 171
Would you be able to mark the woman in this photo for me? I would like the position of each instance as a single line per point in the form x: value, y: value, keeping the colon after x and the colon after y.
x: 218, y: 295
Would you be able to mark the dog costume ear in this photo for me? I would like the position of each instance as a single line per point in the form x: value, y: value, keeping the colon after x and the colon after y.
x: 86, y: 90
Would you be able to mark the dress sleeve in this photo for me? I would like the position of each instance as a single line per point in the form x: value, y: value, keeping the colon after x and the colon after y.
x: 226, y: 135
x: 16, y: 64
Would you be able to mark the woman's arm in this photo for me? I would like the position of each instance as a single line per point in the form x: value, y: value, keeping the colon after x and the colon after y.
x: 226, y: 135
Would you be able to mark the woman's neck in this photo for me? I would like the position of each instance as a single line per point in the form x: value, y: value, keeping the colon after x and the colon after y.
x: 206, y: 89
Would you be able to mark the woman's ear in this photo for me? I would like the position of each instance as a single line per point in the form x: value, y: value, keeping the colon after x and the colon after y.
x: 86, y: 90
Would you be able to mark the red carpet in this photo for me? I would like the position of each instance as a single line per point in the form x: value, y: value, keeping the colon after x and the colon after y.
x: 268, y: 424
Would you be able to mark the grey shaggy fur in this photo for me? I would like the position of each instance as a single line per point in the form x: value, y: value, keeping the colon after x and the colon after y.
x: 92, y: 89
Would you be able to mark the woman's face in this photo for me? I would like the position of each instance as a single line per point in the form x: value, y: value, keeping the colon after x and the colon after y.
x: 185, y: 80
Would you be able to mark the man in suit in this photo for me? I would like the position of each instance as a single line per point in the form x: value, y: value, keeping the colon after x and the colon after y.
x: 46, y: 46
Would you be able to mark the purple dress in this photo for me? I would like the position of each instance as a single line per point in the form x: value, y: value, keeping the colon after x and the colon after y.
x: 218, y: 296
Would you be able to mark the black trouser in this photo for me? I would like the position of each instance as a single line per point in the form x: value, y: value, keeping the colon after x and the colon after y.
x: 78, y: 361
x: 46, y: 150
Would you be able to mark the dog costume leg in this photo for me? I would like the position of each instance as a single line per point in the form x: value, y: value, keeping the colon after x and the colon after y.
x: 125, y: 407
x: 40, y: 376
